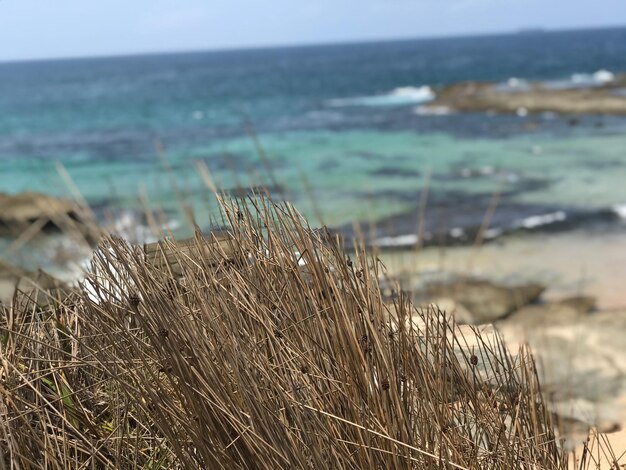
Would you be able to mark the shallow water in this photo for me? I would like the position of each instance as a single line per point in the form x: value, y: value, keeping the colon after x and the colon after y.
x: 346, y: 120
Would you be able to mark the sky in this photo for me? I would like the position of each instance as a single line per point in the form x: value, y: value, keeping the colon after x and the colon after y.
x: 31, y: 29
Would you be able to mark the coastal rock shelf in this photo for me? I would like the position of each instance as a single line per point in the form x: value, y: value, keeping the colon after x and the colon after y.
x: 533, y: 97
x: 23, y: 211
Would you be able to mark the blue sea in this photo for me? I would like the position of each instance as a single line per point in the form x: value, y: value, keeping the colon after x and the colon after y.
x: 339, y: 130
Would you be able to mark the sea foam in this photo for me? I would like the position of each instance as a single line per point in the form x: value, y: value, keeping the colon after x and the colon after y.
x: 398, y: 97
x: 513, y: 85
x: 399, y: 241
x: 601, y: 77
x: 620, y: 210
x: 535, y: 221
x: 582, y: 80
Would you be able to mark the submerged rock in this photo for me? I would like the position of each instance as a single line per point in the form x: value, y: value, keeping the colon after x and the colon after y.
x: 483, y: 301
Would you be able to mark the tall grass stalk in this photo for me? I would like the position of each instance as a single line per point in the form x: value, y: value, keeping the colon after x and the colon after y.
x: 266, y: 348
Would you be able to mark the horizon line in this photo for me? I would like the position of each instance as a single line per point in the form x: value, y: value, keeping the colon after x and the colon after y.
x: 243, y: 48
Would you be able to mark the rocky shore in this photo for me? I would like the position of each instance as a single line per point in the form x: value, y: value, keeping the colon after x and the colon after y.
x: 30, y: 213
x: 578, y: 347
x: 573, y: 337
x: 521, y: 97
x: 560, y: 295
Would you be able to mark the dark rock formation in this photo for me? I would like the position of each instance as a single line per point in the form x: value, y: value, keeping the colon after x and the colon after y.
x: 21, y: 211
x: 483, y: 301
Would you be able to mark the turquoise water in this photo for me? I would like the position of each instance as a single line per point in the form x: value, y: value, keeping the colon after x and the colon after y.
x: 341, y: 127
x: 360, y: 175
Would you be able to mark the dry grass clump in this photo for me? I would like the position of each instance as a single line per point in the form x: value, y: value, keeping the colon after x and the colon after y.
x: 263, y: 348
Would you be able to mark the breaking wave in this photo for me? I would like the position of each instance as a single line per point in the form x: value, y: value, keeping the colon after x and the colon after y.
x: 582, y: 80
x: 401, y: 96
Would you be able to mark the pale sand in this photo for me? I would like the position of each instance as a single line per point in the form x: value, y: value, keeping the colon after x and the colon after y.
x: 601, y: 459
x: 572, y: 263
x: 599, y: 445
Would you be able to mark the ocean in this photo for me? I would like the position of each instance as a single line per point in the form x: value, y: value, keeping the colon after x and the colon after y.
x: 336, y: 129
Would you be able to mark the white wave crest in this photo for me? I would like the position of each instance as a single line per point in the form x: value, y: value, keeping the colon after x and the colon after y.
x: 513, y: 85
x: 600, y: 77
x: 582, y: 80
x: 398, y: 97
x: 401, y: 240
x: 535, y: 221
x: 492, y: 233
x: 457, y: 232
x: 620, y: 210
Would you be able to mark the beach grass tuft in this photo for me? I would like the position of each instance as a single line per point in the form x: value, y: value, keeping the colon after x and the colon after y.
x: 261, y: 347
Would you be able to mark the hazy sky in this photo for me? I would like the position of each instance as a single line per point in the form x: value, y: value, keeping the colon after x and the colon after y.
x: 67, y: 28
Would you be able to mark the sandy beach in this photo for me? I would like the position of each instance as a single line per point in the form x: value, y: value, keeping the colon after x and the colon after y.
x: 572, y: 263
